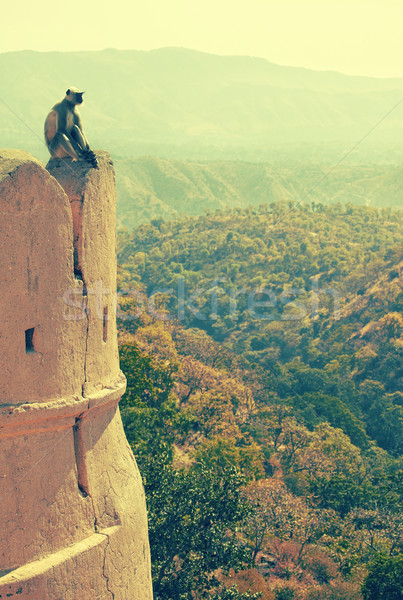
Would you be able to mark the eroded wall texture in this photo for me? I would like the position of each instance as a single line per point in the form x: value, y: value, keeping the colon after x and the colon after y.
x: 72, y: 508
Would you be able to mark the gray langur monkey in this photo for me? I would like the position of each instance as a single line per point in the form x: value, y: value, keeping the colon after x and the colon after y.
x: 64, y: 131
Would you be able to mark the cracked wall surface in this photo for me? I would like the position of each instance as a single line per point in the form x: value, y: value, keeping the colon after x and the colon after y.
x: 72, y: 507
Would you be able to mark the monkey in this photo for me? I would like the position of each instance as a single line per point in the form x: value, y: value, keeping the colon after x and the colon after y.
x: 64, y: 134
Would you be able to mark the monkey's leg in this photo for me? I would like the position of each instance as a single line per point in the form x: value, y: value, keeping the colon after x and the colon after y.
x: 80, y: 138
x: 61, y: 146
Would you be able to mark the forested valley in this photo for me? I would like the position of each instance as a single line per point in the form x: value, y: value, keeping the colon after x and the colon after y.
x: 263, y: 352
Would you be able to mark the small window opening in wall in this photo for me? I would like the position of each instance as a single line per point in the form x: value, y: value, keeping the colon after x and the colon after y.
x: 105, y: 324
x: 29, y: 340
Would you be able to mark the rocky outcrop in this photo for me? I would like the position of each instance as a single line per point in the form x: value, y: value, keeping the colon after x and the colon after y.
x: 72, y: 507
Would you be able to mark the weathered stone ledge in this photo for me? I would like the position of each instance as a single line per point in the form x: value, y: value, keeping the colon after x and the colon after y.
x: 25, y: 419
x: 12, y: 581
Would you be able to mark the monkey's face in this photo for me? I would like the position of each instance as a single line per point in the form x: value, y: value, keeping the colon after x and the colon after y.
x: 74, y: 96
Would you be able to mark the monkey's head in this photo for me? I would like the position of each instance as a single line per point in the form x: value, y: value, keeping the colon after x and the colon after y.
x: 74, y: 95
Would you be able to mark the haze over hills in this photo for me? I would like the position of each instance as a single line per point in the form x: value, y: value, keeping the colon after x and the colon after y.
x: 149, y: 187
x: 184, y: 103
x: 273, y: 131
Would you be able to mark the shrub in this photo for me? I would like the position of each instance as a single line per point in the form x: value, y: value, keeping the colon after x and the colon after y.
x: 340, y: 590
x: 248, y: 581
x: 321, y: 566
x: 284, y: 593
x: 233, y: 594
x: 385, y: 579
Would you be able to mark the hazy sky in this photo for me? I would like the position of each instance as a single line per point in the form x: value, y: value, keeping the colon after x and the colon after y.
x: 353, y: 36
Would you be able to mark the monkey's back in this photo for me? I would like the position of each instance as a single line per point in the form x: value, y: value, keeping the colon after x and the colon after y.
x: 51, y: 123
x: 50, y: 126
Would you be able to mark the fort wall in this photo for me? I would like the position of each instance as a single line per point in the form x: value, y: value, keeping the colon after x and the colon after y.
x: 72, y: 507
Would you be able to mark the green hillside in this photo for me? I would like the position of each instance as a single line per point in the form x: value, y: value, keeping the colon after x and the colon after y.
x: 151, y: 188
x: 263, y: 351
x: 272, y: 284
x: 179, y: 100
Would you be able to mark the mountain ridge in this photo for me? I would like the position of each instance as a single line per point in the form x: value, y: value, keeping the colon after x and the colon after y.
x: 184, y: 98
x: 152, y: 188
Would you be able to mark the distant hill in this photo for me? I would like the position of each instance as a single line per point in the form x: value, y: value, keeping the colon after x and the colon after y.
x: 150, y: 187
x: 187, y: 103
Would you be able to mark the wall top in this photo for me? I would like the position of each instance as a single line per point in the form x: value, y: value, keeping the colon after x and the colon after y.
x: 74, y: 175
x: 10, y: 160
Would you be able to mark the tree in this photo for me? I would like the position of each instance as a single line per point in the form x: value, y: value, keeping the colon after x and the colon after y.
x: 149, y: 413
x: 385, y: 424
x: 221, y: 453
x: 193, y: 518
x: 333, y: 468
x: 379, y: 529
x: 385, y: 579
x: 336, y: 413
x: 278, y: 513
